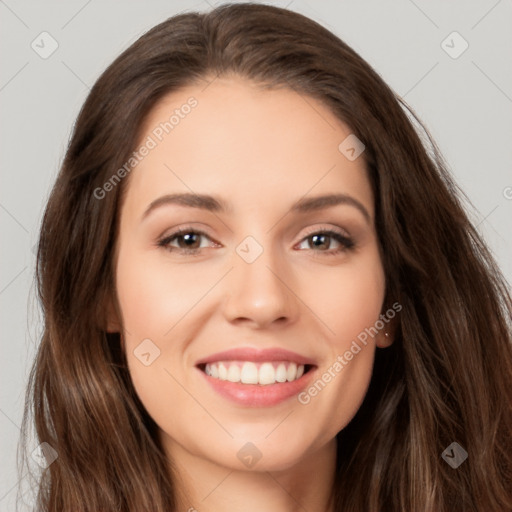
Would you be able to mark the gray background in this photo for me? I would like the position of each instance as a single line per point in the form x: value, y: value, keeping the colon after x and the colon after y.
x: 465, y: 102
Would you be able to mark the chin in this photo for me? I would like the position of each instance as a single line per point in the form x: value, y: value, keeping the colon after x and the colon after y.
x: 245, y: 453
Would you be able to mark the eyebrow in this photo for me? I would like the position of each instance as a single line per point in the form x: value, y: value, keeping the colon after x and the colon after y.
x: 218, y: 205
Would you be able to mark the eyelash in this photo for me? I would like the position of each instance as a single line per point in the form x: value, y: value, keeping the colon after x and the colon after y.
x: 346, y: 243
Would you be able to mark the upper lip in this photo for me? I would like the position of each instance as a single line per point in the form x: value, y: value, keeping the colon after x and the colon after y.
x: 257, y: 356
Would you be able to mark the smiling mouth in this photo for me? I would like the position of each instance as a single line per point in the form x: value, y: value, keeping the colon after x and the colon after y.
x: 259, y: 373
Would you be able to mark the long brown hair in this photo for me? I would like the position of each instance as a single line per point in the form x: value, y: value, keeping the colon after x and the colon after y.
x: 447, y: 377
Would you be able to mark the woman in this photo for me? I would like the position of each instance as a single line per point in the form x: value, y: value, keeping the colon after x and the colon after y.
x: 261, y: 290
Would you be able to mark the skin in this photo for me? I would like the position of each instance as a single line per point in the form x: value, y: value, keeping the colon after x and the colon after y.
x: 260, y: 151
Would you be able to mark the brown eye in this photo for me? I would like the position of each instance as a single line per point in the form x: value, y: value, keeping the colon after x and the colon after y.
x: 185, y: 240
x: 323, y: 241
x: 190, y: 240
x: 320, y: 241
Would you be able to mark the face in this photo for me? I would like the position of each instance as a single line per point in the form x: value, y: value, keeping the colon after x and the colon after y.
x: 242, y: 295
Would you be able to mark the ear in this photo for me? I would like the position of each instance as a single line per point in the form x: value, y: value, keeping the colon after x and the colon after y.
x: 112, y: 318
x: 386, y: 336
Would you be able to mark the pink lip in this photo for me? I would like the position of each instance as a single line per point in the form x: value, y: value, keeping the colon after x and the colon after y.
x: 257, y: 356
x: 255, y: 395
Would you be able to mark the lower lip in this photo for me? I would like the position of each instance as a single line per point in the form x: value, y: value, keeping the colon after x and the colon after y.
x: 255, y: 395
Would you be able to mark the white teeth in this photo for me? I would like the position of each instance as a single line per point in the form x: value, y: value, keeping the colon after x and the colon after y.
x: 248, y: 372
x: 267, y: 374
x: 281, y: 373
x: 233, y: 373
x: 223, y: 372
x: 291, y: 374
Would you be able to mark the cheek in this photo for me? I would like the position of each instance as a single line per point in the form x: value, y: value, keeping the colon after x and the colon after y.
x: 349, y: 302
x: 348, y: 299
x: 153, y: 296
x: 158, y: 301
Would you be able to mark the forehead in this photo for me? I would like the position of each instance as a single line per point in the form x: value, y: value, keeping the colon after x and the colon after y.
x: 253, y: 146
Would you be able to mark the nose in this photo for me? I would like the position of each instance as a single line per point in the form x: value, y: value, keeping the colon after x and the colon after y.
x: 260, y: 293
